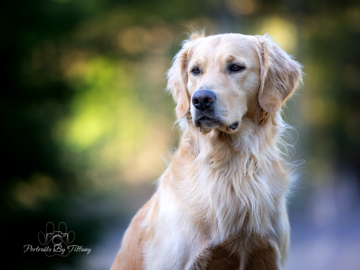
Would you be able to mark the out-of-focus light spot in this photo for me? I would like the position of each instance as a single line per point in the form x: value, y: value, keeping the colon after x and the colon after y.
x: 86, y: 128
x: 73, y: 64
x: 241, y: 7
x: 132, y: 40
x: 29, y: 193
x: 282, y: 31
x: 159, y: 40
x: 137, y: 39
x: 353, y: 17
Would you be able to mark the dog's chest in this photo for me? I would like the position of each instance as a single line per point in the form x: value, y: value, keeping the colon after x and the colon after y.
x: 233, y: 203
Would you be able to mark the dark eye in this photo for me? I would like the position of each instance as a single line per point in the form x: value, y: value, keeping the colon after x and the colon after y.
x: 195, y: 71
x: 235, y: 67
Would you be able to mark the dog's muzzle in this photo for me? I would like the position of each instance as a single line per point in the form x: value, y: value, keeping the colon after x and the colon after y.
x: 204, y: 102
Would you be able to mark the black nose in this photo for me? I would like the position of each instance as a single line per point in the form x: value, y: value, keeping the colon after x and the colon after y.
x: 203, y: 99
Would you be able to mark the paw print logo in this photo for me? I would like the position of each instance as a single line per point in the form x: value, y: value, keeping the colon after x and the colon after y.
x: 56, y: 242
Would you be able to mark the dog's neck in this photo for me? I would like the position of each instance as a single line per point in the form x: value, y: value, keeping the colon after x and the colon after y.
x: 241, y: 171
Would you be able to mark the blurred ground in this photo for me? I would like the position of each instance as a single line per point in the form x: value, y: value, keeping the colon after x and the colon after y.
x: 334, y: 246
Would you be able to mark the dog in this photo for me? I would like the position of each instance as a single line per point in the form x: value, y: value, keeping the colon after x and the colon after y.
x: 221, y: 203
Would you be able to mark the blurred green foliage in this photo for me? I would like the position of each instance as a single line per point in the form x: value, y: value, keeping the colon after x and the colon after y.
x: 83, y: 109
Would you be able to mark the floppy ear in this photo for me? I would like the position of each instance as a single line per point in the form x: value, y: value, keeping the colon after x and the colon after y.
x: 280, y: 75
x: 177, y: 81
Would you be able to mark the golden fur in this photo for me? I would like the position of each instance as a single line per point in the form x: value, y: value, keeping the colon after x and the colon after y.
x: 221, y: 202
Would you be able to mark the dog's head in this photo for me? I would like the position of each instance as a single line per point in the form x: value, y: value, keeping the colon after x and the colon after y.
x: 221, y: 79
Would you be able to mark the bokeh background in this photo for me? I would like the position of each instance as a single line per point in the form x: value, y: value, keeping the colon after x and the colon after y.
x: 86, y: 127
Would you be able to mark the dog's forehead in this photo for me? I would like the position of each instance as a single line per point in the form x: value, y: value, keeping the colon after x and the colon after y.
x: 219, y: 45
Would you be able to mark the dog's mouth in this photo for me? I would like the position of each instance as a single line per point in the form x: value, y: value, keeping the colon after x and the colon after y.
x: 206, y: 122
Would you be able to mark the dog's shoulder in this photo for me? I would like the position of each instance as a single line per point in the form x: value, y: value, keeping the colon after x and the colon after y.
x: 131, y: 255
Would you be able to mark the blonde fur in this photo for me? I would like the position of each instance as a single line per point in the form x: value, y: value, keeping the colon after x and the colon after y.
x: 221, y: 203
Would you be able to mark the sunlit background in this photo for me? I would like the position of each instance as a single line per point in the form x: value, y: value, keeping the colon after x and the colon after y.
x: 87, y: 126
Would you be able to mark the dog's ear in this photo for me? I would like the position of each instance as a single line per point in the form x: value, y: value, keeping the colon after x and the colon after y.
x: 279, y: 76
x: 177, y: 81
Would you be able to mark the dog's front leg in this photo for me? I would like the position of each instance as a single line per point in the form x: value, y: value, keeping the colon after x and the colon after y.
x: 267, y: 258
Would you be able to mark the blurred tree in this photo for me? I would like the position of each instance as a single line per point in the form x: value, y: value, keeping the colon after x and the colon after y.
x: 35, y: 186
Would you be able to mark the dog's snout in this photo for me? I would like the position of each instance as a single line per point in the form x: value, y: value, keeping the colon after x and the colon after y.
x: 203, y: 99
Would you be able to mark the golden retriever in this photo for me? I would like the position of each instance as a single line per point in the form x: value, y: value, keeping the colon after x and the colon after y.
x: 221, y: 203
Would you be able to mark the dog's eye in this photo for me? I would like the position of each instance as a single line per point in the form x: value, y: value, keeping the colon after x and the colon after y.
x: 235, y: 67
x: 195, y: 71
